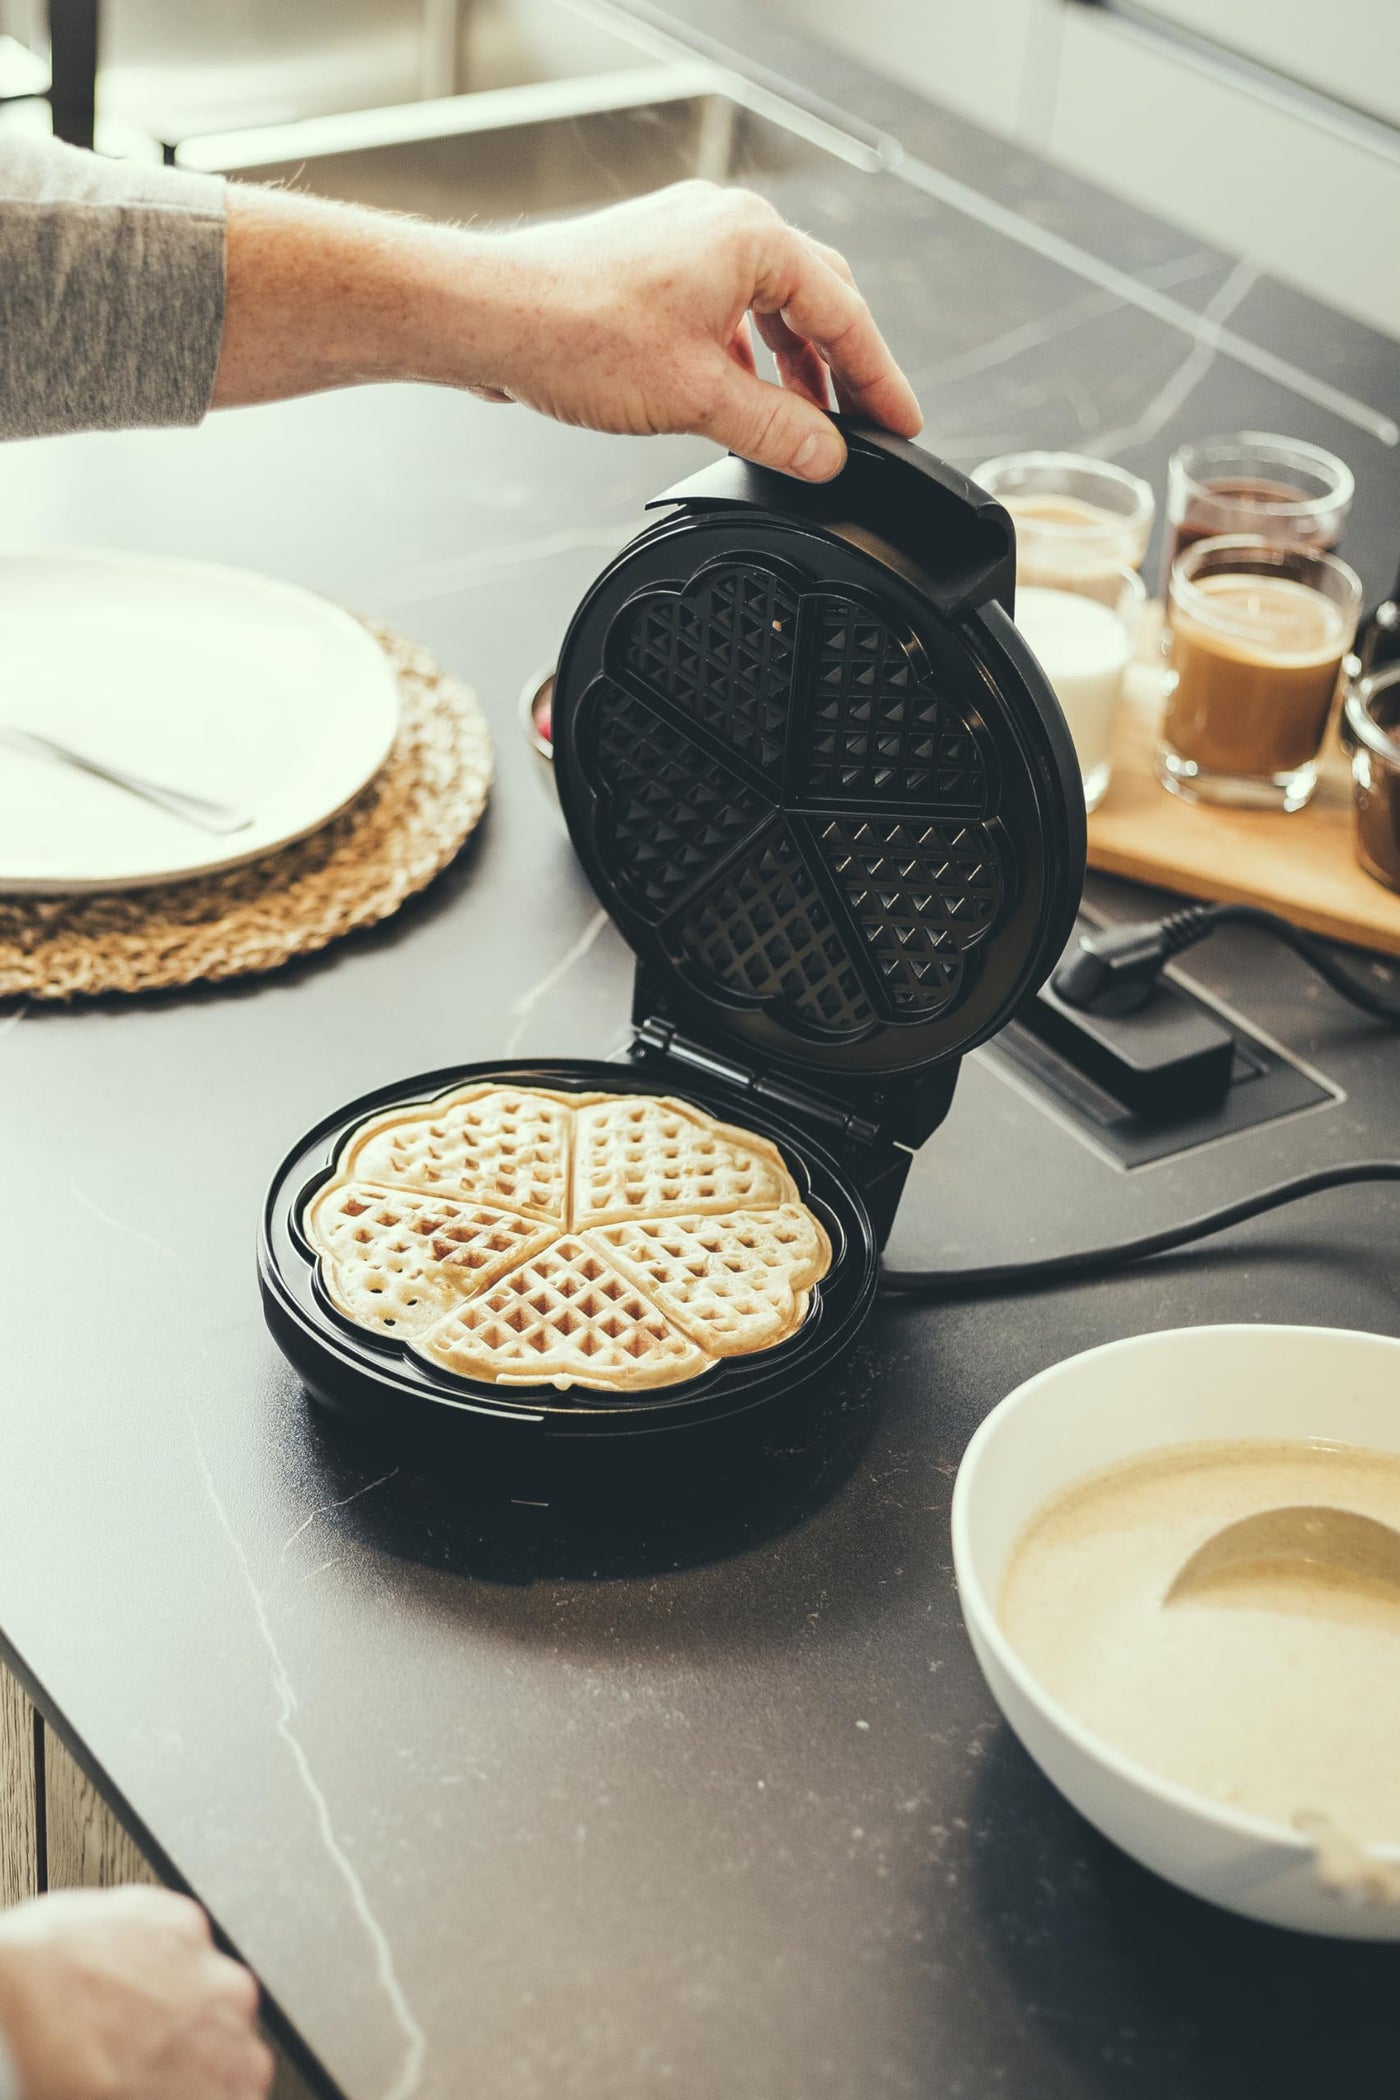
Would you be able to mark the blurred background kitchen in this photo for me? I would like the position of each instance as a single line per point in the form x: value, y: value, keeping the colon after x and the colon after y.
x: 1256, y: 125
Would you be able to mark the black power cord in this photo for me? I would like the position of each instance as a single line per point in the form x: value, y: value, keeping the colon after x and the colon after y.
x: 1102, y: 1261
x: 1114, y: 969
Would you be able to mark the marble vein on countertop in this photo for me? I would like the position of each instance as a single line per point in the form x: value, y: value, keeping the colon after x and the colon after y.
x: 1182, y: 383
x: 409, y: 2077
x: 1014, y: 342
x: 324, y: 1509
x: 522, y: 1008
x: 134, y: 1232
x: 415, y: 2040
x: 1134, y: 291
x: 473, y: 571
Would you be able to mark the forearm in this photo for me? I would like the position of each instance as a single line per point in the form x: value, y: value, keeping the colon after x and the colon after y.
x: 326, y: 295
x: 140, y: 295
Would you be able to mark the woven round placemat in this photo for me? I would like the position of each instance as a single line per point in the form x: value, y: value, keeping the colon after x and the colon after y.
x: 391, y: 841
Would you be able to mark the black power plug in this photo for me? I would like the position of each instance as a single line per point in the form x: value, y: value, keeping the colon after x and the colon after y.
x: 1113, y: 969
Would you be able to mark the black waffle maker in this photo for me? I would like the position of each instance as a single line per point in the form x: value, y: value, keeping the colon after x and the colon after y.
x: 829, y: 799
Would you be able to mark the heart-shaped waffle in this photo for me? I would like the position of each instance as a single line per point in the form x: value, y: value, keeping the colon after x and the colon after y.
x: 638, y: 1157
x: 398, y: 1261
x: 566, y: 1317
x: 733, y: 1284
x: 486, y: 1144
x: 629, y: 1240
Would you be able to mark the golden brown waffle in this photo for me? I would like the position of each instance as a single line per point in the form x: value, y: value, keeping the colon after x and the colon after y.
x: 522, y: 1236
x: 732, y: 1284
x: 505, y: 1145
x: 566, y: 1317
x: 396, y: 1260
x: 639, y: 1157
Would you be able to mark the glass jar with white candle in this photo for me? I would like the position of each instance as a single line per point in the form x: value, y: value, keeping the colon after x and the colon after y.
x: 1077, y: 519
x: 1084, y: 635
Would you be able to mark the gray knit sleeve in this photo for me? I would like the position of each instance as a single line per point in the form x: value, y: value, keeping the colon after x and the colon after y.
x: 111, y: 291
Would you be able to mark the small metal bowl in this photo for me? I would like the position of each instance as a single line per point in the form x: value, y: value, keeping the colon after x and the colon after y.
x: 538, y: 694
x: 1372, y: 719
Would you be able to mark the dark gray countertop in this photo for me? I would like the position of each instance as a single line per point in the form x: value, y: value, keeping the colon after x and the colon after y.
x: 495, y: 1810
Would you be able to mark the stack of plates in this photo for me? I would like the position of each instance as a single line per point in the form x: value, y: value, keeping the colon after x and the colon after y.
x: 214, y: 682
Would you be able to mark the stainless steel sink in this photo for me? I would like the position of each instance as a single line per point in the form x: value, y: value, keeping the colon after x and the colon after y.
x: 518, y: 147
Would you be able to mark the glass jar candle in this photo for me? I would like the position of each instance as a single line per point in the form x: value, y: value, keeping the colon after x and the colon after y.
x: 1373, y: 717
x: 1255, y: 638
x: 1083, y: 636
x: 1076, y: 518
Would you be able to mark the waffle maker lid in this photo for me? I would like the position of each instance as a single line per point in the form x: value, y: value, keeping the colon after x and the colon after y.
x: 818, y: 780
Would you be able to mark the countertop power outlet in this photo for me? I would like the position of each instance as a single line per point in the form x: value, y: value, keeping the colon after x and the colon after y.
x: 1172, y: 1058
x: 1150, y: 1084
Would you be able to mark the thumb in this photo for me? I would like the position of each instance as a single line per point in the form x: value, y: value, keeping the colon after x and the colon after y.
x: 775, y: 428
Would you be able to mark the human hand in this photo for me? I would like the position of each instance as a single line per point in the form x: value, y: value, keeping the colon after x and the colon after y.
x: 121, y: 1995
x: 637, y: 319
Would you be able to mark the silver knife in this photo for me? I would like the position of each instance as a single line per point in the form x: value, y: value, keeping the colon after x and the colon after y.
x: 218, y: 817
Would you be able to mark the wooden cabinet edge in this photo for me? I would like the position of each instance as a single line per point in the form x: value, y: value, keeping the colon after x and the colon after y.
x: 57, y: 1832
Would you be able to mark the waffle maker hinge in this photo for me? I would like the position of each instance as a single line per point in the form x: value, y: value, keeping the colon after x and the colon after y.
x: 874, y: 1129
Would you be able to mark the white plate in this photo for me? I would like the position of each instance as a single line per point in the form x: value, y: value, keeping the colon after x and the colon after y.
x: 214, y: 680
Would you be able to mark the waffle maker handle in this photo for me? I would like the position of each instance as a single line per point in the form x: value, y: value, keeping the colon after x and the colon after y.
x: 954, y: 542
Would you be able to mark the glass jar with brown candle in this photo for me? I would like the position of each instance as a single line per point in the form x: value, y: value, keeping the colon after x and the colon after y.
x: 1256, y: 636
x: 1373, y: 717
x: 1279, y: 488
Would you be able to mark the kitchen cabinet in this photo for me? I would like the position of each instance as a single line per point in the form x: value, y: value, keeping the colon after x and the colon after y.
x: 1306, y: 185
x: 1310, y: 201
x: 1350, y: 51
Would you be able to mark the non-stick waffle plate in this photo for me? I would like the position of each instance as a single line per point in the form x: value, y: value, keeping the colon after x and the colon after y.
x: 378, y: 1377
x: 833, y: 818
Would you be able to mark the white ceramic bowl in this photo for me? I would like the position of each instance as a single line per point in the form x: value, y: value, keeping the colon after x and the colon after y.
x: 1113, y: 1403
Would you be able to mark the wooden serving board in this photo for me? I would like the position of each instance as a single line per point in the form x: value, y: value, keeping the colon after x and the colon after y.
x: 1303, y: 866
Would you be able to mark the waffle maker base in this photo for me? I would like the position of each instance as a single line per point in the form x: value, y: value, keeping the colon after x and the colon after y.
x: 537, y: 1443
